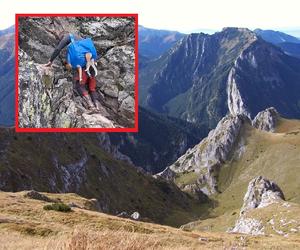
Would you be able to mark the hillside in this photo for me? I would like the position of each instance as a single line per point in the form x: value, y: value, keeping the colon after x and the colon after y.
x: 78, y: 163
x: 274, y: 155
x: 25, y: 224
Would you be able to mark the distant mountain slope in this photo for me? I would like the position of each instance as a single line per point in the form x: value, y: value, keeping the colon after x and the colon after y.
x: 276, y: 37
x: 7, y: 77
x: 289, y: 44
x: 153, y: 43
x: 292, y: 49
x: 9, y: 30
x: 204, y: 76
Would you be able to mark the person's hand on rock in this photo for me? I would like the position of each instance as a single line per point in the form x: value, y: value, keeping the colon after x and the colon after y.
x: 49, y: 64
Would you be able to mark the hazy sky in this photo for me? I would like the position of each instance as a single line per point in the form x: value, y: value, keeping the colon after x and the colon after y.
x: 181, y: 15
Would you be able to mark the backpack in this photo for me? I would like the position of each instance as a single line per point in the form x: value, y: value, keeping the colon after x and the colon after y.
x: 77, y: 50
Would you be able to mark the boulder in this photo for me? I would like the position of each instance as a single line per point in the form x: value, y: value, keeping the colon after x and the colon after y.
x: 123, y: 215
x: 32, y: 194
x: 248, y: 226
x: 135, y: 216
x: 261, y: 193
x: 266, y: 120
x: 92, y: 204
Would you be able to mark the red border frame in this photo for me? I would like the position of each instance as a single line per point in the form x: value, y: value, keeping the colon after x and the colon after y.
x: 37, y: 130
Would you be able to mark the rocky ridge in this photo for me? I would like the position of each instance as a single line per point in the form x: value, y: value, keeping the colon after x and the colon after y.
x: 205, y: 159
x: 203, y: 162
x: 47, y: 94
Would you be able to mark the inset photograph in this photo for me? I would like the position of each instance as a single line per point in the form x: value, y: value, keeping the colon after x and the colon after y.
x: 76, y: 73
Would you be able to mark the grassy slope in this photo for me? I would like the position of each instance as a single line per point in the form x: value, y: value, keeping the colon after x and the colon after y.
x: 24, y: 224
x: 275, y: 156
x: 28, y: 164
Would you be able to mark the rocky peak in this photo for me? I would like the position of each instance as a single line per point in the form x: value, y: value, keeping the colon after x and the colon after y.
x: 261, y: 192
x: 235, y: 101
x: 238, y: 31
x: 205, y: 158
x: 266, y: 119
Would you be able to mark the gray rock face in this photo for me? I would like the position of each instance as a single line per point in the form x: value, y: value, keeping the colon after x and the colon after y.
x: 46, y: 95
x: 206, y: 158
x: 248, y: 226
x: 266, y: 120
x: 235, y: 102
x: 261, y: 193
x: 168, y: 174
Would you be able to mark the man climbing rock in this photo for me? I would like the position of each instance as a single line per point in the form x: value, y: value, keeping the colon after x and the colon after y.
x: 81, y: 55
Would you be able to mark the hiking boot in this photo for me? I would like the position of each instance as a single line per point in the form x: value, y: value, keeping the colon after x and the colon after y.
x: 88, y: 101
x: 97, y: 105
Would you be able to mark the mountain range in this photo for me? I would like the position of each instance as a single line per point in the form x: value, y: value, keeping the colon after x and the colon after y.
x: 218, y: 129
x: 203, y: 77
x: 289, y: 44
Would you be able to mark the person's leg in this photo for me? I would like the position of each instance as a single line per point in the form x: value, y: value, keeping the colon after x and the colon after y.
x: 80, y: 85
x: 81, y: 88
x: 93, y: 94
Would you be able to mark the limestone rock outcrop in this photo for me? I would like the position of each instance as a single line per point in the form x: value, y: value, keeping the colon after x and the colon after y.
x: 206, y: 157
x: 261, y: 193
x: 266, y: 119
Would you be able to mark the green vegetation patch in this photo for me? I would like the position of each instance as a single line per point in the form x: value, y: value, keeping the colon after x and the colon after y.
x: 186, y: 178
x: 60, y: 207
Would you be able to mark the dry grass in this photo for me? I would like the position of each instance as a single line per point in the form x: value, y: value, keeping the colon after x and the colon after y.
x: 24, y: 224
